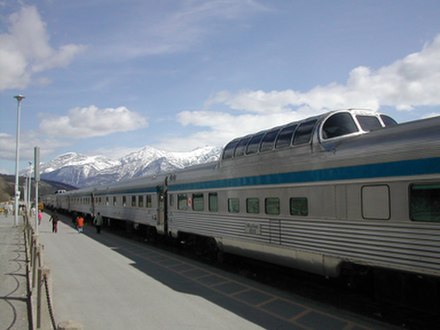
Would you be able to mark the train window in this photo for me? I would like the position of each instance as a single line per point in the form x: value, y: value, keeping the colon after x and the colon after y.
x: 141, y: 201
x: 133, y: 201
x: 228, y: 152
x: 114, y: 200
x: 284, y: 139
x: 213, y: 202
x: 252, y: 205
x: 254, y: 143
x: 272, y: 205
x: 425, y: 202
x: 148, y: 202
x: 369, y: 123
x: 106, y: 201
x: 241, y: 147
x: 338, y: 125
x: 376, y: 202
x: 182, y: 202
x: 198, y: 202
x: 304, y: 132
x: 268, y: 141
x: 388, y: 121
x: 124, y: 201
x: 233, y: 205
x: 299, y: 206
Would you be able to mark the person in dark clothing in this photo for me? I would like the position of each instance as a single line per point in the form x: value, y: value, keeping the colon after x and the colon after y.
x: 98, y: 222
x: 54, y: 218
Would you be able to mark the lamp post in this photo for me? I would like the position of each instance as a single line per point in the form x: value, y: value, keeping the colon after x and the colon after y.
x: 28, y: 201
x: 17, y: 157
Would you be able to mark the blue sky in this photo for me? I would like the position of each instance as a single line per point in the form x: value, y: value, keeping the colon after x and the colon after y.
x: 109, y: 77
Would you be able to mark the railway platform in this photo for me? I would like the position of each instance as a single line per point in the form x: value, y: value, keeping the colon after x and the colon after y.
x: 104, y: 281
x: 13, y: 276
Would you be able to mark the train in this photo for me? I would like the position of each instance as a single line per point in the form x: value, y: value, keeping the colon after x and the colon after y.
x: 338, y: 193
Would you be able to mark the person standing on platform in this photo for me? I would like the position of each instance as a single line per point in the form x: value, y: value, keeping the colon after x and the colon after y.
x: 40, y: 216
x: 10, y: 209
x: 80, y: 223
x: 98, y: 221
x: 54, y: 218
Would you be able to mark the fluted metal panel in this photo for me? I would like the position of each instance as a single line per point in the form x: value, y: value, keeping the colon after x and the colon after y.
x: 405, y: 246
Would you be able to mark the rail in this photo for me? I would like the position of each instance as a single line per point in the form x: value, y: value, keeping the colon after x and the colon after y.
x: 40, y: 295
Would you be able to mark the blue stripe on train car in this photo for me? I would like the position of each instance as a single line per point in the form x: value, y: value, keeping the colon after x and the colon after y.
x: 128, y: 191
x: 368, y: 171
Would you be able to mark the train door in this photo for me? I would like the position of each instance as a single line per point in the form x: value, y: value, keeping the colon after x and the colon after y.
x: 92, y: 205
x: 161, y: 225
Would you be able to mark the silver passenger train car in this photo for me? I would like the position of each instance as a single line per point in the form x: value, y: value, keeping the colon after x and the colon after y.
x: 346, y: 190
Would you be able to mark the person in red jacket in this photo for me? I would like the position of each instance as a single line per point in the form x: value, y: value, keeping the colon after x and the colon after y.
x: 80, y: 223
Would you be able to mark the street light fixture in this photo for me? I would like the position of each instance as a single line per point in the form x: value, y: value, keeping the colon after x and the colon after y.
x: 17, y: 157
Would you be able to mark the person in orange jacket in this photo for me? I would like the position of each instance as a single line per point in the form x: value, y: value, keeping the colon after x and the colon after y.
x: 80, y: 223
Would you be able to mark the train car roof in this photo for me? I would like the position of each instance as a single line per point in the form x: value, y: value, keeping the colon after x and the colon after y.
x: 136, y: 183
x: 327, y: 127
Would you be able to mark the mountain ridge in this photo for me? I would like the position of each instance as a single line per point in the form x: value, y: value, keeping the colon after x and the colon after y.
x: 81, y: 170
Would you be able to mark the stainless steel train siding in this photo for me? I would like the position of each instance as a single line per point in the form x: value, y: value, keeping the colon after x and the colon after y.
x: 320, y: 194
x: 358, y: 190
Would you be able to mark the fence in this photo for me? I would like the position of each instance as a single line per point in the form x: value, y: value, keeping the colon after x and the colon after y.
x: 40, y: 285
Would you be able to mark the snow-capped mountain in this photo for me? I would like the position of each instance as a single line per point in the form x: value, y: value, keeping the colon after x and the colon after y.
x: 72, y: 159
x: 149, y: 160
x: 80, y: 170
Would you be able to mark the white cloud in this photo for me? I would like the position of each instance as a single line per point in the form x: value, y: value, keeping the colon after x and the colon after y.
x: 7, y: 146
x: 92, y: 121
x: 28, y: 140
x: 405, y: 84
x: 25, y: 50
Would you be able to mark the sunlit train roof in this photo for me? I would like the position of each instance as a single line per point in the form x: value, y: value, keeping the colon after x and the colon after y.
x: 329, y: 126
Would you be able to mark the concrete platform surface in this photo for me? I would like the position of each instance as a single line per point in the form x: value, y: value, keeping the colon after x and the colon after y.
x: 108, y: 282
x: 13, y: 281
